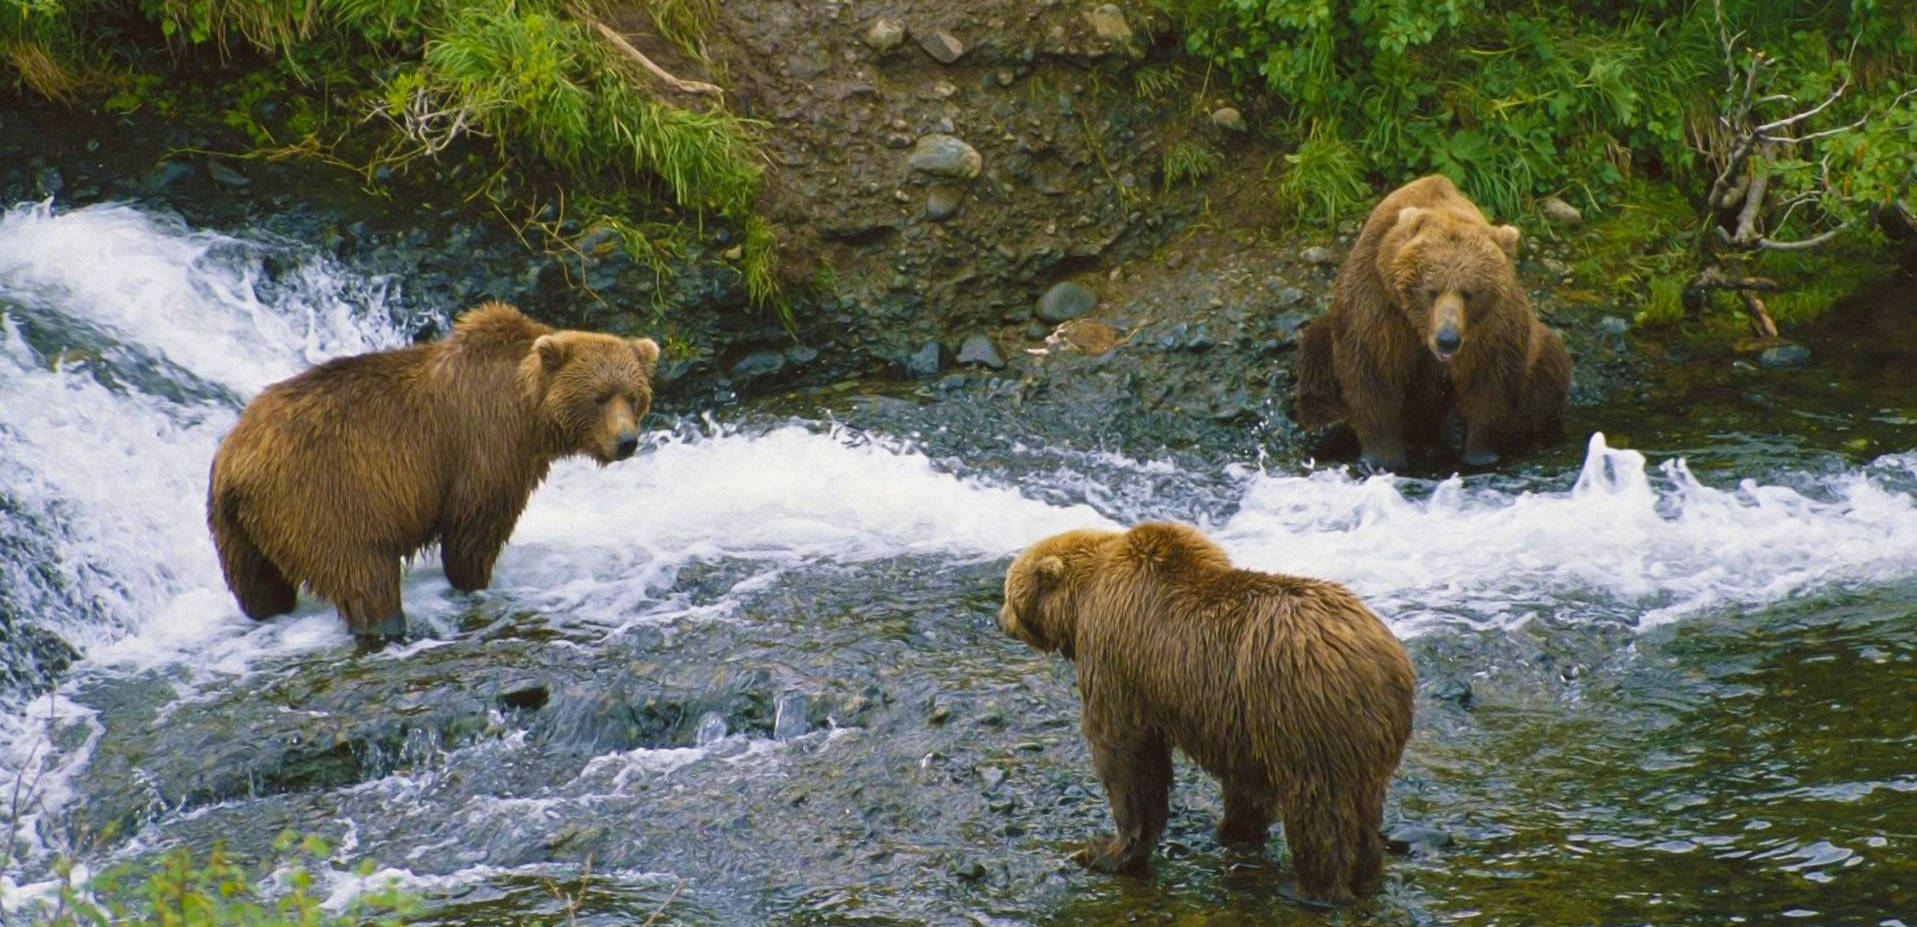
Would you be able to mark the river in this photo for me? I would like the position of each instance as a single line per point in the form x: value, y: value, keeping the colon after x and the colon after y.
x: 753, y: 675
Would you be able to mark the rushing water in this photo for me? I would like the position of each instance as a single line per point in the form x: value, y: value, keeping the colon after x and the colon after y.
x: 752, y: 675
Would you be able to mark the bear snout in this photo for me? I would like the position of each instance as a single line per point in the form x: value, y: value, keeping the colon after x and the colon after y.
x: 624, y: 446
x: 1446, y: 342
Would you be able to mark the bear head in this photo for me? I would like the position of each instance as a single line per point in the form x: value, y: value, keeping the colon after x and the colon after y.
x: 1041, y: 588
x: 593, y: 390
x: 1447, y: 270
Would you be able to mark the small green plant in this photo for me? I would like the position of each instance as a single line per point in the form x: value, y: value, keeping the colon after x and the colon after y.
x: 1154, y: 82
x: 1189, y: 162
x: 1323, y: 179
x: 179, y: 890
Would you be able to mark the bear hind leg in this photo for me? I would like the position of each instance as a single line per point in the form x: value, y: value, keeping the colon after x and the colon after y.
x: 1248, y: 815
x: 367, y: 596
x: 1326, y: 850
x: 259, y: 586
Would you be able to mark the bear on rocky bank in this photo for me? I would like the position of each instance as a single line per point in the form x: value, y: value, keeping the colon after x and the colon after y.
x: 1427, y: 318
x: 331, y: 477
x: 1288, y: 690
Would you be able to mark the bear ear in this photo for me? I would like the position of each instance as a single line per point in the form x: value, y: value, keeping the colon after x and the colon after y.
x: 551, y: 350
x: 1049, y: 569
x: 1411, y: 217
x: 648, y: 351
x: 1507, y: 237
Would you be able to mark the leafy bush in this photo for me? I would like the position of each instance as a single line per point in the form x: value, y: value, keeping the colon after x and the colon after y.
x: 1519, y: 98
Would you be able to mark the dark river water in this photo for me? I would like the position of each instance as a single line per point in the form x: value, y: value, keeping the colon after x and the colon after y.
x: 752, y: 676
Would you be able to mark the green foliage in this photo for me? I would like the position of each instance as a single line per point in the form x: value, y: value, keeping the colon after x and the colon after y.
x: 177, y: 890
x: 534, y: 76
x: 1515, y: 99
x: 1189, y: 162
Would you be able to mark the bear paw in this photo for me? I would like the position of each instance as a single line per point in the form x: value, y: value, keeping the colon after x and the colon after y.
x: 1101, y: 856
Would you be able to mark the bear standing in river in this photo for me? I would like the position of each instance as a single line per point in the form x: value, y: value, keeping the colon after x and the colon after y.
x: 331, y: 477
x: 1289, y: 690
x: 1427, y: 318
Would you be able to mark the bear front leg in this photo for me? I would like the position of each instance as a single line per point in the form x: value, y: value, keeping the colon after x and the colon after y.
x: 1137, y: 777
x: 1374, y: 407
x: 473, y: 536
x: 1248, y: 815
x: 1482, y: 410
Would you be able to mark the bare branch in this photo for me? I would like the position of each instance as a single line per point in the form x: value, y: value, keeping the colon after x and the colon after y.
x: 619, y: 41
x: 1805, y: 244
x: 1796, y: 118
x: 1714, y: 279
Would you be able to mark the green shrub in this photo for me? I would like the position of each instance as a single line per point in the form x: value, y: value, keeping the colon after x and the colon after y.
x: 1514, y: 99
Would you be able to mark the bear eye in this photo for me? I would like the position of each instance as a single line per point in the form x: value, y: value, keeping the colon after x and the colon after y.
x: 605, y: 397
x: 1431, y: 293
x: 1464, y: 295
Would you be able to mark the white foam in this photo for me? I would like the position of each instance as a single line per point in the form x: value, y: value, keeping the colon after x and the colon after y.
x: 1621, y: 543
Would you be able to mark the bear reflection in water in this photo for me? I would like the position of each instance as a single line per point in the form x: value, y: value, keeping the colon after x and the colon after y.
x: 1288, y: 690
x: 331, y: 477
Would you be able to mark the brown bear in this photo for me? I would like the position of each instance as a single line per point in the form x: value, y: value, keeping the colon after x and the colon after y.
x: 1427, y: 318
x: 331, y: 477
x: 1288, y: 690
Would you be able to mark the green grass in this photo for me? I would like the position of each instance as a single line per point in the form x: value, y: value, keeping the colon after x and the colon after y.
x: 1323, y: 179
x: 1189, y: 162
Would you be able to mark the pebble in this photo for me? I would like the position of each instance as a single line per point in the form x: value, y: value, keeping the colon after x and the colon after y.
x: 1066, y: 300
x: 943, y: 46
x: 1317, y: 254
x: 1785, y: 355
x: 1561, y: 213
x: 942, y: 203
x: 884, y: 35
x: 1228, y: 118
x: 977, y: 348
x: 991, y: 776
x: 945, y: 156
x: 1108, y: 21
x: 226, y: 176
x: 758, y: 365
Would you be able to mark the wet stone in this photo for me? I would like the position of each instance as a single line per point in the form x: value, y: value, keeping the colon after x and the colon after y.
x: 758, y: 365
x: 1317, y: 254
x: 1228, y: 118
x: 924, y: 362
x: 1415, y: 839
x: 884, y: 35
x: 790, y: 719
x: 1561, y: 213
x: 942, y: 203
x: 943, y: 46
x: 1785, y: 355
x: 945, y: 156
x: 1108, y: 22
x: 991, y: 776
x: 712, y: 729
x: 978, y: 349
x: 1290, y: 295
x: 226, y: 176
x: 1066, y: 300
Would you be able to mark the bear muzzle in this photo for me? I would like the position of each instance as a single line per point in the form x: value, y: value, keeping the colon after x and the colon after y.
x: 625, y: 445
x: 1446, y: 342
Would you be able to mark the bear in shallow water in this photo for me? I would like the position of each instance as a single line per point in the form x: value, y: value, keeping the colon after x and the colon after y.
x: 332, y: 477
x: 1289, y: 690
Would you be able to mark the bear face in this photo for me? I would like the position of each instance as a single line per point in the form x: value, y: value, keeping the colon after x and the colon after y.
x: 594, y: 390
x: 1039, y: 588
x: 1447, y: 270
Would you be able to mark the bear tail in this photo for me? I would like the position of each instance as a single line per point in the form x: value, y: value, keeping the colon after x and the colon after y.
x: 259, y: 586
x: 1319, y: 402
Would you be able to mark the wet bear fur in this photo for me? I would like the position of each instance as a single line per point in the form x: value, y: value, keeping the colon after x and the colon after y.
x: 1288, y: 690
x: 329, y: 479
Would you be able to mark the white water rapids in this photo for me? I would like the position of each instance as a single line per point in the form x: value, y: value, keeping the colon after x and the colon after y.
x: 126, y: 341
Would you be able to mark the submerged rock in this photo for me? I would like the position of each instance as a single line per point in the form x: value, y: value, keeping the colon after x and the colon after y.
x: 978, y: 349
x: 1785, y: 355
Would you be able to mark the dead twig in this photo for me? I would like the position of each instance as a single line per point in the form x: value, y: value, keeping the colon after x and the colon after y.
x: 619, y: 41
